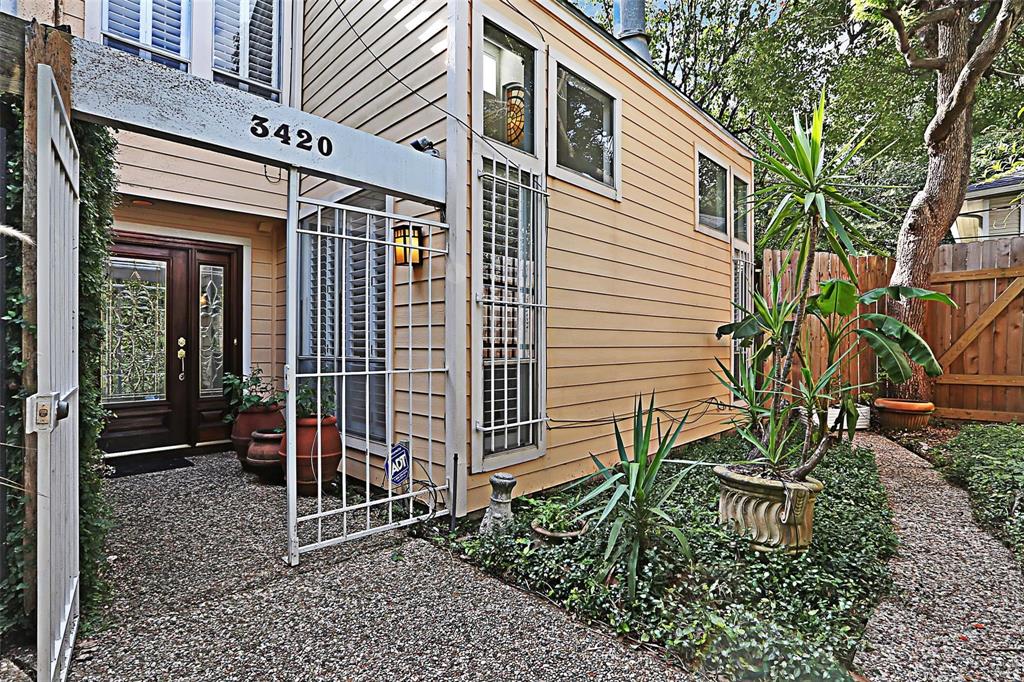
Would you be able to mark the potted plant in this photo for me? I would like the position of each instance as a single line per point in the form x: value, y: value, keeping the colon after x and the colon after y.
x: 553, y: 522
x: 770, y: 496
x: 317, y: 439
x: 252, y: 404
x: 901, y: 414
x: 262, y: 456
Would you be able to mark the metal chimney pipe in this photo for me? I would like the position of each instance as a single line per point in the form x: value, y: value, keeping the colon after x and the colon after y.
x: 633, y: 27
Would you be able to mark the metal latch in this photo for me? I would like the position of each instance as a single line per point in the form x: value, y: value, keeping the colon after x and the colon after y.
x: 45, y: 410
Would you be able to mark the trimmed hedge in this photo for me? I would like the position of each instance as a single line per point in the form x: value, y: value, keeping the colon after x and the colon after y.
x: 733, y: 611
x: 988, y: 459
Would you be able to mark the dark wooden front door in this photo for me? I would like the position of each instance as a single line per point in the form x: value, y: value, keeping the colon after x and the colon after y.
x: 173, y: 324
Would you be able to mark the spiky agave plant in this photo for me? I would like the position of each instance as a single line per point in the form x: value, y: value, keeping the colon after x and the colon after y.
x: 637, y: 500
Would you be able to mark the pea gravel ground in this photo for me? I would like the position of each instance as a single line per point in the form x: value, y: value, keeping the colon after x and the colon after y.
x: 200, y: 593
x: 958, y: 613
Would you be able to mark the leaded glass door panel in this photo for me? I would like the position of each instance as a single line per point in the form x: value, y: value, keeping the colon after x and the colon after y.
x: 172, y: 322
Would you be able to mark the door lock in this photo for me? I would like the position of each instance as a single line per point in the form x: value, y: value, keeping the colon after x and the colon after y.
x: 181, y: 357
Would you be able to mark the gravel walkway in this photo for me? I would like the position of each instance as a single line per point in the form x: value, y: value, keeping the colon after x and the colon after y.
x: 959, y: 610
x: 200, y: 593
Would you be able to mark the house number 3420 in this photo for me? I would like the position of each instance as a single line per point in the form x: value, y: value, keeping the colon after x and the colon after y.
x: 303, y: 138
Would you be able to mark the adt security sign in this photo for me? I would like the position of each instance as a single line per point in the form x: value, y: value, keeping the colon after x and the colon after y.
x: 398, y: 464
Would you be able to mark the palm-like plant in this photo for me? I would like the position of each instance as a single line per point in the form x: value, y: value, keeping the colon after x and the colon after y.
x: 811, y: 207
x: 637, y: 502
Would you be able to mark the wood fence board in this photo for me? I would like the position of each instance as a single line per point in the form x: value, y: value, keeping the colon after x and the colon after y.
x: 980, y: 344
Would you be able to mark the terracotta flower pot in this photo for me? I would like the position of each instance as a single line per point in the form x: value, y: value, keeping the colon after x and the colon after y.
x: 554, y: 537
x: 262, y: 454
x: 253, y: 419
x: 309, y: 476
x: 776, y: 515
x: 903, y: 415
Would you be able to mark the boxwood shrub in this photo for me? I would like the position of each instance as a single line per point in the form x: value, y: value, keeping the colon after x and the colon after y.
x: 732, y: 611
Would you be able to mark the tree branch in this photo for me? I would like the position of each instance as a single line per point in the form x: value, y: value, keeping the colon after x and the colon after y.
x: 977, y: 64
x: 910, y: 55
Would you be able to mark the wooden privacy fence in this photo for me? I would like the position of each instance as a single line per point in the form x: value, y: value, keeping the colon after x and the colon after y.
x: 980, y: 345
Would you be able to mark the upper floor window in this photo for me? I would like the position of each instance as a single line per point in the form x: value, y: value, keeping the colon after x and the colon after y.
x: 585, y: 135
x: 712, y: 195
x: 508, y: 89
x: 741, y: 210
x: 152, y: 29
x: 246, y: 44
x: 235, y: 42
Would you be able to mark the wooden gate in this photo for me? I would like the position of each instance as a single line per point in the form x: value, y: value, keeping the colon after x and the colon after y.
x: 980, y: 345
x: 52, y: 413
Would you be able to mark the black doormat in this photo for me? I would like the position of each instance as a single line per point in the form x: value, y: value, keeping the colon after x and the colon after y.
x: 146, y: 464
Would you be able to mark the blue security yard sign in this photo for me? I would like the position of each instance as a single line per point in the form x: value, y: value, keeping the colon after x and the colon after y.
x: 397, y: 466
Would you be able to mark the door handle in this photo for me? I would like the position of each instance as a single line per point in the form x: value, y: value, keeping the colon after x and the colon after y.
x: 181, y: 357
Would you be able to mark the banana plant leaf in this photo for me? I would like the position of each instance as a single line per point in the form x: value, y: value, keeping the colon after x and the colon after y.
x: 909, y: 341
x: 890, y: 355
x: 906, y: 293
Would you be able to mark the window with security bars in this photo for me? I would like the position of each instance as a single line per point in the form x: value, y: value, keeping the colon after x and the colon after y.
x: 743, y: 302
x: 343, y: 313
x: 512, y: 299
x: 157, y: 30
x: 246, y: 45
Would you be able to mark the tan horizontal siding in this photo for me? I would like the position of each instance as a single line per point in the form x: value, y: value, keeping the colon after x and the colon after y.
x: 635, y: 293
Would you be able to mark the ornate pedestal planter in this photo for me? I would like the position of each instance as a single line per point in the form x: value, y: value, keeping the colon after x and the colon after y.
x: 903, y: 415
x: 775, y: 515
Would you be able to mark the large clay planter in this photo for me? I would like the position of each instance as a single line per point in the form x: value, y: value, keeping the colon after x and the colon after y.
x: 253, y: 419
x: 775, y: 515
x: 309, y: 476
x: 262, y: 455
x: 903, y: 415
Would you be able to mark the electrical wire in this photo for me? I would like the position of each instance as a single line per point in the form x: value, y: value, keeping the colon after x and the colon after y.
x: 417, y: 93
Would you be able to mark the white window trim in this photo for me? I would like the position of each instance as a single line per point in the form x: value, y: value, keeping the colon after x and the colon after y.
x: 199, y: 55
x: 698, y: 151
x: 533, y: 163
x: 748, y: 243
x: 613, y: 191
x: 97, y: 31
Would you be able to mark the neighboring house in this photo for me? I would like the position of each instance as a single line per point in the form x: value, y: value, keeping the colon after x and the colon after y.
x: 597, y: 216
x: 991, y: 209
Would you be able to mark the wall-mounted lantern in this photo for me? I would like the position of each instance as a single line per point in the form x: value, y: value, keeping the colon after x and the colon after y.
x: 409, y: 240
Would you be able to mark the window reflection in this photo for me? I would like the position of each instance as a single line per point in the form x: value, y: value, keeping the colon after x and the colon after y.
x: 712, y: 192
x: 508, y: 89
x: 585, y: 135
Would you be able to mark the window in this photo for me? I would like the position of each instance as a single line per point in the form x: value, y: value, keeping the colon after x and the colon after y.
x: 512, y: 301
x: 245, y: 45
x: 152, y: 29
x: 712, y: 194
x: 743, y: 303
x: 344, y: 316
x: 508, y: 89
x: 585, y: 122
x: 741, y: 210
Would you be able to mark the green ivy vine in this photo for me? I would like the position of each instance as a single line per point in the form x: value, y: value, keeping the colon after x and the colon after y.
x: 98, y: 191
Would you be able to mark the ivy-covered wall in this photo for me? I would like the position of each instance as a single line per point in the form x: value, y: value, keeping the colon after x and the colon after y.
x: 98, y: 187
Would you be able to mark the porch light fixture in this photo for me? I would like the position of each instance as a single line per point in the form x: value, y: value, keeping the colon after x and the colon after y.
x: 409, y: 240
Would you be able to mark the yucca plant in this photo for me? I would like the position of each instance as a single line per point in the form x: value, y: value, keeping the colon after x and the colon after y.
x: 632, y: 499
x: 810, y: 208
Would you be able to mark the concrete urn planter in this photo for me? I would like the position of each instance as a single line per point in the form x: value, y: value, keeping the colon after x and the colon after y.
x: 776, y: 515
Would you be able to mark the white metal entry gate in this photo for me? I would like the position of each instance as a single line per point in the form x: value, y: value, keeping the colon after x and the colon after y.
x: 53, y: 411
x: 366, y: 372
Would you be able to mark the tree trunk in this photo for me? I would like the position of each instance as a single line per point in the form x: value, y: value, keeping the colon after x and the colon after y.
x: 936, y: 206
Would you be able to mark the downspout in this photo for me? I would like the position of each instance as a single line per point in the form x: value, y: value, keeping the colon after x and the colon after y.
x: 633, y: 28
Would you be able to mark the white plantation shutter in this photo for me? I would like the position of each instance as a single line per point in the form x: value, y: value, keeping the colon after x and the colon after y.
x: 366, y: 326
x: 161, y: 24
x: 245, y: 40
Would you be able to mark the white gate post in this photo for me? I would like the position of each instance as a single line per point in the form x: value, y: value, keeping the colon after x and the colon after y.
x: 291, y: 345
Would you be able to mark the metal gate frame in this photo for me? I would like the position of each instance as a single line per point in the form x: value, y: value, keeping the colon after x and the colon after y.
x: 52, y: 413
x: 436, y: 496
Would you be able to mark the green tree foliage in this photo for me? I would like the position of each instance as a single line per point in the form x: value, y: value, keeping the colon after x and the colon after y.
x: 743, y: 60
